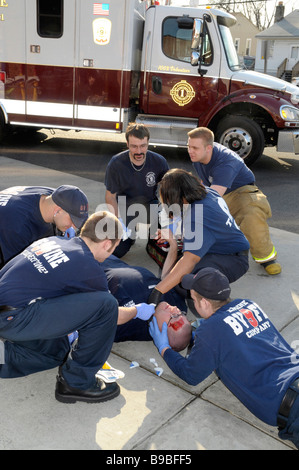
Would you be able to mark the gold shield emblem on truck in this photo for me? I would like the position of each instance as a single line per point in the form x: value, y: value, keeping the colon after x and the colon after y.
x: 182, y: 93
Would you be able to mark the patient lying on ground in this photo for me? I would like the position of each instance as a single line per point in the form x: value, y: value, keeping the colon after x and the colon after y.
x: 178, y: 327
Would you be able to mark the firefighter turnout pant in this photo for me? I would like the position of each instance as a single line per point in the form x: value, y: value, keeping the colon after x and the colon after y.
x: 251, y: 210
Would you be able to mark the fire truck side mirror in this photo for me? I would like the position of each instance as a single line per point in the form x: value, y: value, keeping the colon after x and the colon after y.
x: 194, y: 58
x: 196, y: 34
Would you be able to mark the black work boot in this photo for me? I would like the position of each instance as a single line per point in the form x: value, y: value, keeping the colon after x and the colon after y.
x: 100, y: 392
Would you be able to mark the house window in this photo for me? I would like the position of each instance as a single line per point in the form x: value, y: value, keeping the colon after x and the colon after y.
x: 50, y: 18
x: 270, y: 48
x: 295, y: 52
x: 237, y: 44
x: 267, y: 49
x: 248, y: 46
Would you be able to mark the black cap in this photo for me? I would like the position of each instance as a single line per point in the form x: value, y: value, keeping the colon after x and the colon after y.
x: 208, y: 282
x: 73, y: 201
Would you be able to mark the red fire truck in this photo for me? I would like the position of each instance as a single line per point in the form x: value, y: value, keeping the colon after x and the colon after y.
x: 78, y: 64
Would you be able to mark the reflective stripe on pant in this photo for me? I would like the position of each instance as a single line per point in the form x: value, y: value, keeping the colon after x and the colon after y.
x: 251, y: 209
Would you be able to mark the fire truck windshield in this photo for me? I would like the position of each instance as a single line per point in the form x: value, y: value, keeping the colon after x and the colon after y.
x: 229, y: 47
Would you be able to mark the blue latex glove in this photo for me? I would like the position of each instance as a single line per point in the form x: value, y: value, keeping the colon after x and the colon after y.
x: 69, y: 233
x: 174, y: 224
x: 160, y: 338
x: 126, y: 231
x: 145, y: 311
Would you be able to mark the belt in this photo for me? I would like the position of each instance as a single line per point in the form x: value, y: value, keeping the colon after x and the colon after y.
x: 243, y: 253
x: 287, y: 403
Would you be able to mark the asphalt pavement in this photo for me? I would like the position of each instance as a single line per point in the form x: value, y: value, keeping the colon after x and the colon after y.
x: 154, y: 413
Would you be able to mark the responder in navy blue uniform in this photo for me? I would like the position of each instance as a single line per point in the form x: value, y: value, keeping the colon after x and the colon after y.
x: 133, y: 175
x: 238, y: 341
x: 28, y: 213
x: 210, y: 234
x: 223, y: 170
x: 54, y: 287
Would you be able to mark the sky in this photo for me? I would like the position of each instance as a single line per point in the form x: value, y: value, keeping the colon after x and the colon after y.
x: 290, y: 5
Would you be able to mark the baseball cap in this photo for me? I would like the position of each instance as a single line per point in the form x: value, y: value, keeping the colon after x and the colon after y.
x: 208, y: 282
x: 73, y: 201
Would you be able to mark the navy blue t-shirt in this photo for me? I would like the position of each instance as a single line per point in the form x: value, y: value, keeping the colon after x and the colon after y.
x: 49, y: 268
x: 208, y: 227
x: 226, y: 168
x: 138, y: 186
x: 240, y: 343
x: 21, y: 222
x: 132, y: 285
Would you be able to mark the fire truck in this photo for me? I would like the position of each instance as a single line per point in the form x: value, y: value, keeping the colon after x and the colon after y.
x: 82, y: 65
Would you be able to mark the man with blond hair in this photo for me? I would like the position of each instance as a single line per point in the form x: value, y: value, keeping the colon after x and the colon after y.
x: 223, y: 170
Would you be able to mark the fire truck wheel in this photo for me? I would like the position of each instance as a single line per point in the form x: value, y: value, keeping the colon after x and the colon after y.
x: 242, y: 135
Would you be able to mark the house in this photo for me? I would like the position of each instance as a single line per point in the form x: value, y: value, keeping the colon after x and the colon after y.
x: 277, y: 51
x: 244, y: 35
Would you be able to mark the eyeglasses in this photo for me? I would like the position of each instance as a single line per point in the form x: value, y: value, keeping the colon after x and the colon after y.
x: 172, y: 317
x: 176, y: 315
x: 134, y: 147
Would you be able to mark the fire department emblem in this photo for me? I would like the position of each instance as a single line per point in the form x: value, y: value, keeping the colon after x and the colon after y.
x: 101, y: 31
x: 150, y: 178
x: 182, y: 93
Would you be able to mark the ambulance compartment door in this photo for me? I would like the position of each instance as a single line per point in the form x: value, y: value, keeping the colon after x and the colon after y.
x: 50, y: 51
x: 100, y: 76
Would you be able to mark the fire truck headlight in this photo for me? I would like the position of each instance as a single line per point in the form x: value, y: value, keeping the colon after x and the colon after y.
x: 288, y: 113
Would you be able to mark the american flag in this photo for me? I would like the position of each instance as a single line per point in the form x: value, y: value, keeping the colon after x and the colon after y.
x: 101, y: 9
